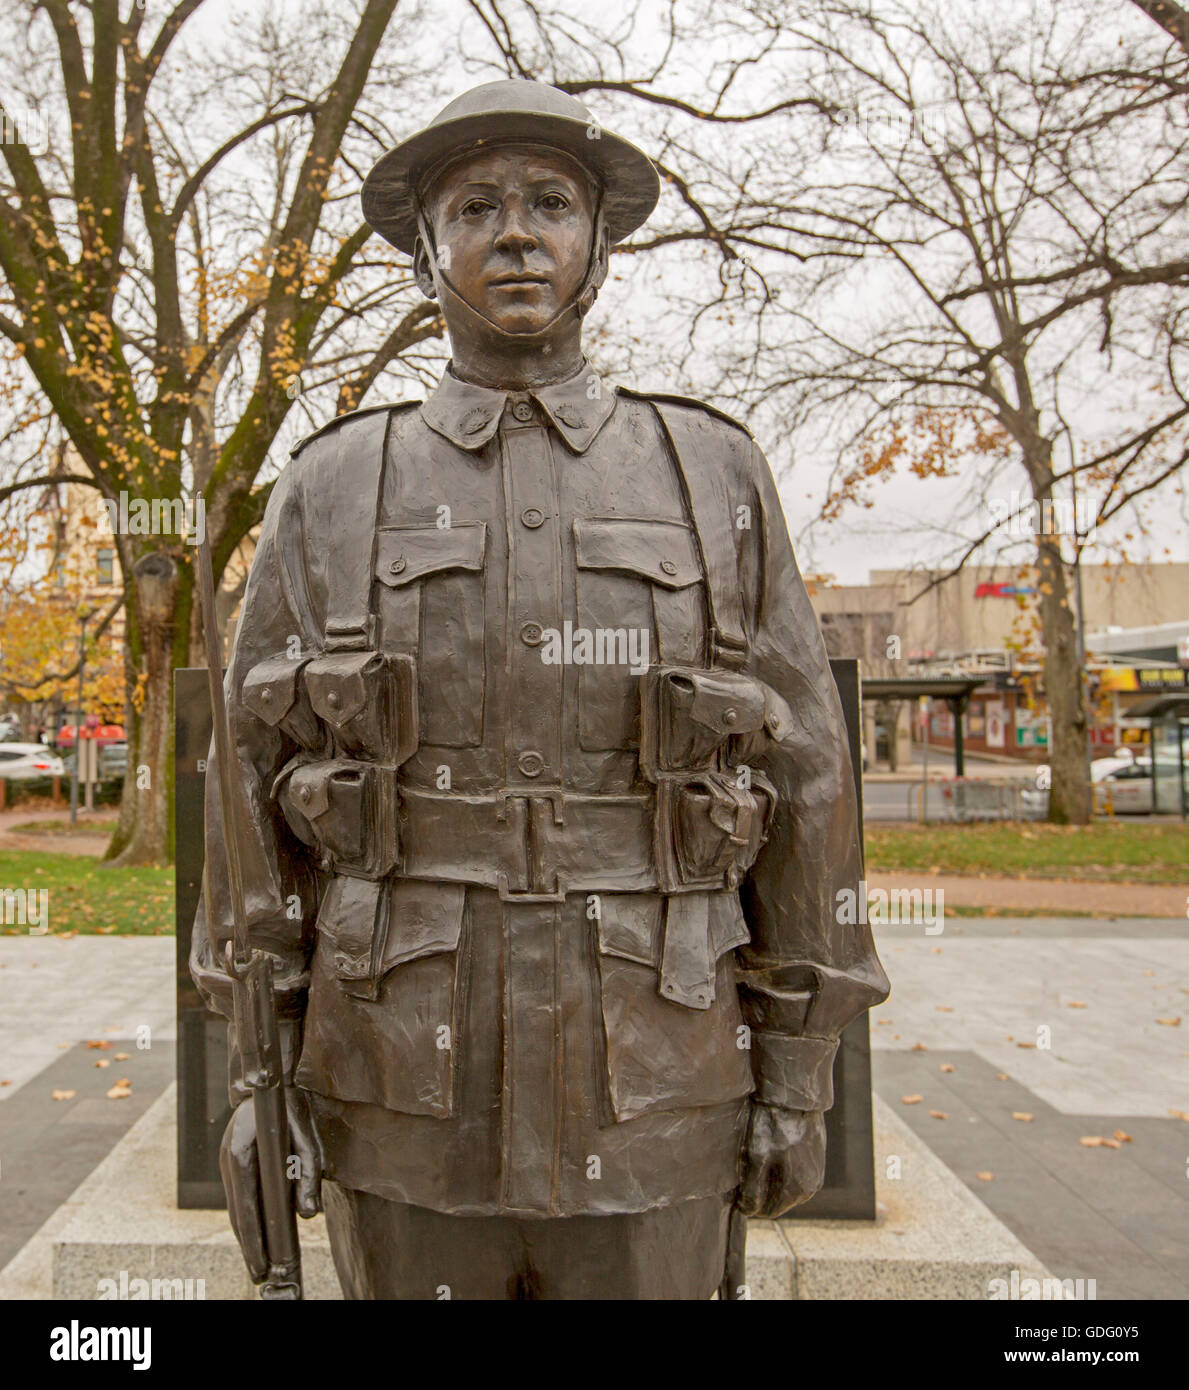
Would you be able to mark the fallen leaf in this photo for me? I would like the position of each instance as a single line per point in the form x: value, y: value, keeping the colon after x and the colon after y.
x: 1076, y: 1004
x: 918, y: 1047
x: 985, y: 1177
x: 939, y: 1114
x: 123, y: 1056
x: 1025, y: 1044
x: 102, y: 1062
x: 947, y: 1066
x: 883, y: 1022
x: 1180, y: 1114
x: 98, y: 1043
x: 1021, y: 1115
x: 944, y: 1008
x: 1123, y: 1136
x: 1149, y: 972
x: 911, y: 1100
x: 5, y: 1083
x: 63, y: 1095
x: 1002, y: 1076
x: 937, y: 950
x: 1112, y: 1143
x: 1170, y: 1022
x: 119, y: 1091
x: 63, y: 1046
x: 1092, y: 1141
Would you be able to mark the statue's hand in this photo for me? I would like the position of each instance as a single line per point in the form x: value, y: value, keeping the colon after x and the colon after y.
x: 240, y: 1167
x: 784, y: 1160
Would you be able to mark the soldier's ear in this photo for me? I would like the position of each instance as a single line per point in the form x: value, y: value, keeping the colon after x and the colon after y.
x: 602, y: 256
x: 423, y: 270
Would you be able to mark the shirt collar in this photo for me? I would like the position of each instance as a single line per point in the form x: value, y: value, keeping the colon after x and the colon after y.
x: 469, y: 415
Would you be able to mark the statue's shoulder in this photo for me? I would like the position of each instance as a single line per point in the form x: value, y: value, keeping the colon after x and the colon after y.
x: 339, y: 420
x: 662, y: 398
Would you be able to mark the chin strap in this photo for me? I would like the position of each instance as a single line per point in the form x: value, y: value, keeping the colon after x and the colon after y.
x: 579, y: 306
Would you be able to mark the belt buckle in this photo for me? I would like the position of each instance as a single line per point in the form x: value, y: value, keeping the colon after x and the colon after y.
x: 539, y: 890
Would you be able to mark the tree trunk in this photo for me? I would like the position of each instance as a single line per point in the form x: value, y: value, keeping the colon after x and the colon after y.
x: 1069, y: 794
x: 144, y: 834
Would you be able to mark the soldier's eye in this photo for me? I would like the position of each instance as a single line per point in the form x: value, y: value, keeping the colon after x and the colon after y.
x: 475, y: 208
x: 554, y: 202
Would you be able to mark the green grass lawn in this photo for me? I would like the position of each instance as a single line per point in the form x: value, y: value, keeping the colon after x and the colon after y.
x: 83, y: 897
x: 1117, y: 851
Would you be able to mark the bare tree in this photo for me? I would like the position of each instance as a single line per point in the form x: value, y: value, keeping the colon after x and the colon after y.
x: 173, y: 285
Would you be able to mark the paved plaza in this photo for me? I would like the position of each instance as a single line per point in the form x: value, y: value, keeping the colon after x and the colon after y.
x: 1056, y: 1018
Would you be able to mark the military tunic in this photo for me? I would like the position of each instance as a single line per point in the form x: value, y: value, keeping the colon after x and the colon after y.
x: 510, y: 1016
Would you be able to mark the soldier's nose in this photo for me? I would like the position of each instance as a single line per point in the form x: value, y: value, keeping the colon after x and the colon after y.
x: 513, y: 235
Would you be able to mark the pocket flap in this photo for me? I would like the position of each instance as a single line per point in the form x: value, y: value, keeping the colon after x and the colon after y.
x: 338, y: 684
x: 308, y: 786
x: 663, y: 551
x: 405, y: 553
x: 630, y: 926
x: 270, y: 688
x: 726, y: 703
x: 423, y: 918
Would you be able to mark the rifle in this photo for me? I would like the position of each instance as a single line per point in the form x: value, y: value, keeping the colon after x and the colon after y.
x: 253, y: 997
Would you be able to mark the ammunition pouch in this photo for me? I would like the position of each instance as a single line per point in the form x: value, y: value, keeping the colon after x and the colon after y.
x: 274, y: 692
x: 344, y: 808
x: 713, y: 811
x: 364, y: 704
x: 368, y: 702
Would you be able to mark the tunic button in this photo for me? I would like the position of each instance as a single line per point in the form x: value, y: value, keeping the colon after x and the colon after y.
x: 532, y: 517
x: 730, y: 716
x: 531, y: 763
x: 303, y: 793
x: 333, y: 699
x: 668, y: 566
x: 522, y: 411
x: 265, y: 695
x: 532, y: 634
x: 398, y: 565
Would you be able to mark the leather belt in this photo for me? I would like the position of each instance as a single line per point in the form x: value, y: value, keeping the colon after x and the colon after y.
x: 532, y: 845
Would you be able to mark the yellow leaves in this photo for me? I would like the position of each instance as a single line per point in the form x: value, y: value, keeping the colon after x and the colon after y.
x: 1023, y: 1116
x: 63, y: 1095
x: 121, y: 1090
x: 985, y: 1177
x: 1170, y: 1022
x: 911, y: 1100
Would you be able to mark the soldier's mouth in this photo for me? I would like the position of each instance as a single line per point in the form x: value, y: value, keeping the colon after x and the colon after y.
x: 517, y: 281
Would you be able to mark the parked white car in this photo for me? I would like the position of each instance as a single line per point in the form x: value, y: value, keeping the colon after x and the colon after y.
x: 1123, y: 785
x: 22, y: 760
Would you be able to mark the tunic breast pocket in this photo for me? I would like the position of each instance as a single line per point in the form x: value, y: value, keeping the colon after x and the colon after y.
x: 640, y: 601
x: 432, y: 605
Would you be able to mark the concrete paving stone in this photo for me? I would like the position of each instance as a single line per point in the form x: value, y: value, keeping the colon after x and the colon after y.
x: 48, y: 1147
x: 1089, y: 1213
x: 66, y: 989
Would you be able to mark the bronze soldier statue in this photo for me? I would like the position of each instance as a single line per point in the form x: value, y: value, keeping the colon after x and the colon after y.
x: 546, y: 796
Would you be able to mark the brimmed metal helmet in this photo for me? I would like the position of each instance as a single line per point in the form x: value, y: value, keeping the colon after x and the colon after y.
x: 500, y: 113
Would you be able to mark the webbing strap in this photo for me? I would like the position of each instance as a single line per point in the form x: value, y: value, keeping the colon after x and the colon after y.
x: 699, y: 464
x: 353, y: 511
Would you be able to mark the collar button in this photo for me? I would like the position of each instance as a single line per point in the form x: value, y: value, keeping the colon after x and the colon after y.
x: 522, y: 411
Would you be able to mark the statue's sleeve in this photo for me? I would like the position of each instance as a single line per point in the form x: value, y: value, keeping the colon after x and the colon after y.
x: 280, y: 887
x: 811, y: 966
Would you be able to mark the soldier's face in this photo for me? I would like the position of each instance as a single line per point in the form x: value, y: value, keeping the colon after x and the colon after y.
x: 513, y: 228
